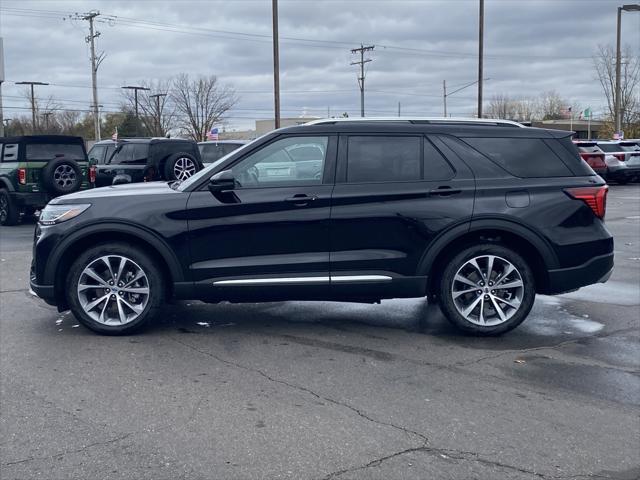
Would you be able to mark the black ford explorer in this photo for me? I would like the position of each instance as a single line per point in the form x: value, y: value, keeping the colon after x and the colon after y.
x: 479, y: 215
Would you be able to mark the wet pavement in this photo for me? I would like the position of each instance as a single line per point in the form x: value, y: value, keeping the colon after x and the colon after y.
x: 325, y: 390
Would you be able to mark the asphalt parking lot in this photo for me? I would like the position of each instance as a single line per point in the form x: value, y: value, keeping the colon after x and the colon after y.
x: 325, y: 390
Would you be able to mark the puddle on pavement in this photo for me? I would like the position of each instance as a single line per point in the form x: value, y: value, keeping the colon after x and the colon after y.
x: 604, y: 383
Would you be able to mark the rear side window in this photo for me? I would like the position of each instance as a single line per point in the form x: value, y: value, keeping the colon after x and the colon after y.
x: 10, y: 152
x: 522, y: 157
x: 383, y: 159
x: 96, y: 154
x: 49, y: 151
x: 435, y: 166
x: 570, y: 155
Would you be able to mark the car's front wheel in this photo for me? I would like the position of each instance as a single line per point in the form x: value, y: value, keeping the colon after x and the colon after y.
x: 114, y: 288
x: 9, y: 214
x: 487, y: 289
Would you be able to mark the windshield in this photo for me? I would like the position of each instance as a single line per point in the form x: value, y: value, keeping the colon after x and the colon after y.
x: 210, y: 169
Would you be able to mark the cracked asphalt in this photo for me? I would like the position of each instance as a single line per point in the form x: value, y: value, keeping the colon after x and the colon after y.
x: 324, y: 390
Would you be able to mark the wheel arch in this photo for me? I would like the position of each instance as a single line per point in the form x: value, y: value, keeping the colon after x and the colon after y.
x: 529, y: 244
x: 62, y: 258
x: 6, y: 184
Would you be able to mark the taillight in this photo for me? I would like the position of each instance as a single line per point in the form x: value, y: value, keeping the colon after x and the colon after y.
x: 595, y: 197
x: 22, y: 176
x: 595, y: 160
x: 619, y: 156
x: 92, y: 174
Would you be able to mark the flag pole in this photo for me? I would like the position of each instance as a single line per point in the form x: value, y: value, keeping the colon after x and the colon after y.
x: 589, y: 125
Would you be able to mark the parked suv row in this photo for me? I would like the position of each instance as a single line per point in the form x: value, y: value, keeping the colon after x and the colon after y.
x: 617, y: 161
x: 479, y: 215
x: 145, y: 159
x: 35, y: 169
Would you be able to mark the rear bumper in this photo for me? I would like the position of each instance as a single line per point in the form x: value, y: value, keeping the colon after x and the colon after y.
x: 27, y: 199
x: 623, y: 172
x: 596, y: 270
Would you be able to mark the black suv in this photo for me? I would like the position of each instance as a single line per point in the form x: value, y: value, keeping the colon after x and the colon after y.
x: 480, y: 215
x: 145, y: 159
x: 36, y: 168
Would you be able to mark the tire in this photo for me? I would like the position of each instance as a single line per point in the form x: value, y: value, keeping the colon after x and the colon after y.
x: 180, y: 166
x: 61, y: 176
x: 9, y: 214
x: 515, y: 302
x: 122, y: 311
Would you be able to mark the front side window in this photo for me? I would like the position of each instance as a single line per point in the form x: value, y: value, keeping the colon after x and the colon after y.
x: 48, y: 151
x: 131, y: 153
x: 383, y: 159
x: 288, y: 161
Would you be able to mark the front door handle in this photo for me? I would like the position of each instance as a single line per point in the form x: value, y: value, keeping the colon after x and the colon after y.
x: 444, y: 191
x: 300, y: 200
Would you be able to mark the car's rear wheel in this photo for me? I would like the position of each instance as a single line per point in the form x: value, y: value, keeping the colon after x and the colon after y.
x: 487, y: 290
x: 114, y: 288
x: 9, y: 214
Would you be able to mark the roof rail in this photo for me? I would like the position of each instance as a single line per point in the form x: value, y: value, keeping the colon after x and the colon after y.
x: 418, y: 120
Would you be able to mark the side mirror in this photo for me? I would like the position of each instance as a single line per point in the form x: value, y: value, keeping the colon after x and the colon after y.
x: 222, y: 182
x: 120, y: 179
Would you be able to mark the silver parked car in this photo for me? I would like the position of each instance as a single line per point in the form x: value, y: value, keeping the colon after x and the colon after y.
x: 622, y: 159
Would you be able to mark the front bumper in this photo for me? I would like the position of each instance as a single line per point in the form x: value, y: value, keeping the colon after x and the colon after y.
x: 45, y: 292
x: 596, y: 270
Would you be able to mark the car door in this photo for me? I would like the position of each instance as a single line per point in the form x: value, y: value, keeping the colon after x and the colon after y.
x: 394, y: 194
x: 268, y: 238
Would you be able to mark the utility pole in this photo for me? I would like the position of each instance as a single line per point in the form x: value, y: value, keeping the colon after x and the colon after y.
x: 33, y: 103
x: 276, y: 64
x: 135, y: 97
x: 96, y: 60
x: 618, y: 100
x: 362, y: 61
x: 157, y: 96
x: 480, y: 55
x: 398, y: 108
x: 444, y: 96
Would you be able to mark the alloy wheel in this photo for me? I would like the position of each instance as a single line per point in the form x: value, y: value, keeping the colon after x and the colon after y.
x: 113, y: 290
x: 64, y: 176
x: 487, y: 290
x: 184, y: 168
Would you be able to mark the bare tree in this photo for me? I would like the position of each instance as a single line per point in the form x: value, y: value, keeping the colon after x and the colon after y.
x: 605, y: 64
x: 552, y: 106
x: 45, y: 108
x: 501, y: 106
x: 157, y: 114
x: 200, y: 103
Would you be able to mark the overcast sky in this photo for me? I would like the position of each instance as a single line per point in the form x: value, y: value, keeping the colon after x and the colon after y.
x: 530, y: 47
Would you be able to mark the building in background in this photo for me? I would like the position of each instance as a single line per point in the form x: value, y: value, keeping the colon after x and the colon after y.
x: 581, y: 127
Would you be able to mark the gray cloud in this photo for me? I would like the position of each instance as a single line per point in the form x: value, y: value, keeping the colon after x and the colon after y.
x: 530, y: 47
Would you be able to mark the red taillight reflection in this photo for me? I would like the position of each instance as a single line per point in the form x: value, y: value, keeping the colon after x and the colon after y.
x: 595, y: 160
x: 619, y: 156
x: 595, y: 197
x: 22, y: 176
x: 92, y: 174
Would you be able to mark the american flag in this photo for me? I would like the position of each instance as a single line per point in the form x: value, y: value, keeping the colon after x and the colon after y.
x: 213, y: 134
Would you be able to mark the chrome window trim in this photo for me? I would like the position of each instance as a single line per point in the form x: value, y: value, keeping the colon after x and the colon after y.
x: 304, y: 280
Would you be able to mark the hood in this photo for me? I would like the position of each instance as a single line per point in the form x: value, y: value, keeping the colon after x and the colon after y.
x: 127, y: 189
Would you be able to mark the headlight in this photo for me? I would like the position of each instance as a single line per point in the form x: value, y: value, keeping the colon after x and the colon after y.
x: 54, y: 214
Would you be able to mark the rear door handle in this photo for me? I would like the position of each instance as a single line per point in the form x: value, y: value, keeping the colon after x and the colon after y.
x: 444, y: 191
x: 300, y: 200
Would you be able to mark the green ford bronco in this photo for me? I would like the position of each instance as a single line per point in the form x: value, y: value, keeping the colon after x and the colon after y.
x: 35, y: 169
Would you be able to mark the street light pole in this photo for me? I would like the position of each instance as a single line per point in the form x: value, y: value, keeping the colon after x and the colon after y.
x: 448, y: 94
x: 618, y: 101
x: 480, y: 55
x: 135, y: 96
x: 276, y: 65
x: 33, y: 103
